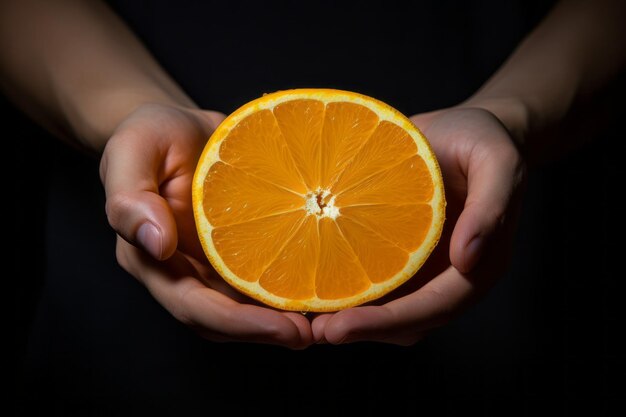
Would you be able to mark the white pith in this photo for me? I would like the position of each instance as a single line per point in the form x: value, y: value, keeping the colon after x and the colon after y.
x: 327, y: 209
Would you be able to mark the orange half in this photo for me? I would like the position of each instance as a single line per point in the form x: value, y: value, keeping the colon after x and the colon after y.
x: 317, y: 199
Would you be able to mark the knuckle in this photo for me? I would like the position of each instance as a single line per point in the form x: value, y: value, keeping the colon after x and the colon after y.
x: 443, y: 310
x: 180, y: 309
x: 180, y: 314
x: 510, y: 155
x: 116, y: 206
x: 104, y: 164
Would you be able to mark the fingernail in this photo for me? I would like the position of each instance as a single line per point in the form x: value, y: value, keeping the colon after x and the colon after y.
x: 149, y: 237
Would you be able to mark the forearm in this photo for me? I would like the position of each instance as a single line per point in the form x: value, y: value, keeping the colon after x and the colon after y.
x: 570, y: 56
x: 75, y: 67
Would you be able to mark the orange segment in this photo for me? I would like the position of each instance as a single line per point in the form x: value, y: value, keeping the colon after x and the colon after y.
x: 317, y: 200
x: 248, y: 248
x: 407, y: 182
x: 339, y: 273
x: 388, y: 144
x: 347, y: 126
x: 404, y: 225
x: 379, y: 258
x: 292, y: 274
x: 233, y: 196
x: 256, y: 146
x: 301, y: 124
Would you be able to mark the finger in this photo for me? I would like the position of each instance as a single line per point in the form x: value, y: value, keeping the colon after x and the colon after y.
x: 404, y: 338
x: 135, y: 210
x: 304, y: 328
x: 318, y: 327
x: 348, y: 328
x: 227, y: 321
x: 212, y: 314
x: 423, y: 120
x: 494, y: 174
x: 213, y: 118
x: 404, y: 320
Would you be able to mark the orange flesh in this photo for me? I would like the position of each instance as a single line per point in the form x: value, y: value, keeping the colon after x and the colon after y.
x: 255, y: 199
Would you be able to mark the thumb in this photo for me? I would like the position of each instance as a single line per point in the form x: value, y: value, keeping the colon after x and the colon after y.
x: 129, y: 171
x: 494, y: 176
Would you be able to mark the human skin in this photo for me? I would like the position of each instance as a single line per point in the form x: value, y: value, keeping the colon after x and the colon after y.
x: 149, y: 135
x: 560, y: 66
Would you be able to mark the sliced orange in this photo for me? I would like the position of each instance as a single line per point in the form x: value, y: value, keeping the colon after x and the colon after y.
x: 317, y: 200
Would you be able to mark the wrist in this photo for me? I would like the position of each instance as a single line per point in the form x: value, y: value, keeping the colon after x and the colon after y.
x: 514, y: 113
x: 94, y: 117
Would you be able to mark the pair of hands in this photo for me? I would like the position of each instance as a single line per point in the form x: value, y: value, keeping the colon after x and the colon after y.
x: 147, y: 168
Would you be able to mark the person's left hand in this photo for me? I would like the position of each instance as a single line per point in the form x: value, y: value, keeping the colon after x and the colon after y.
x: 483, y: 174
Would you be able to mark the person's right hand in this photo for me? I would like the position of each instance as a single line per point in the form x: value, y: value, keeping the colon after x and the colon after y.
x: 146, y: 169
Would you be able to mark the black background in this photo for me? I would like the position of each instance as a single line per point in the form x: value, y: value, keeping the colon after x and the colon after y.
x: 91, y: 341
